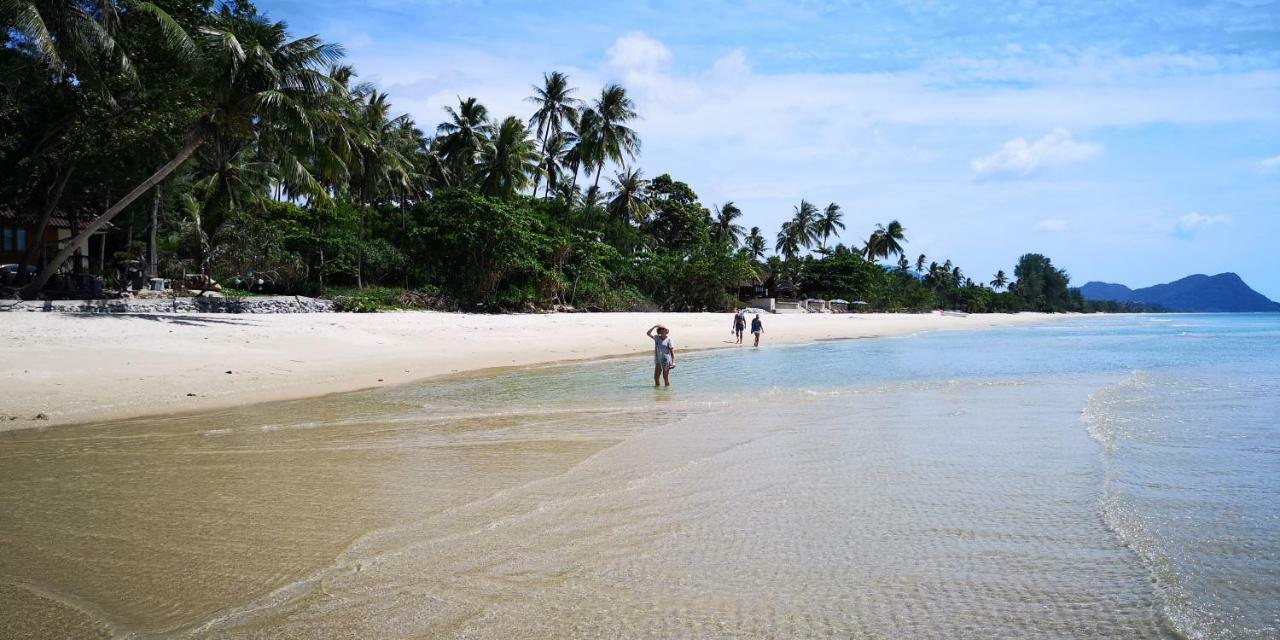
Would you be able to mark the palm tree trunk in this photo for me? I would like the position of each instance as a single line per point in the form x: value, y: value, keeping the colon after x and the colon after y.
x: 153, y: 254
x: 404, y: 236
x: 193, y: 142
x: 35, y: 244
x: 360, y: 246
x: 599, y: 170
x: 537, y: 177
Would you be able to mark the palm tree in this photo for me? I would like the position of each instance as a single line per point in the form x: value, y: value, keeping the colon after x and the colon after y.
x: 904, y: 264
x: 724, y: 227
x: 585, y: 145
x: 1000, y: 281
x: 76, y: 39
x: 885, y: 241
x: 756, y: 243
x: 507, y: 160
x: 75, y: 42
x: 556, y: 107
x: 249, y: 74
x: 462, y: 136
x: 627, y: 200
x: 804, y: 223
x: 556, y: 154
x: 592, y: 197
x: 827, y: 225
x: 571, y: 195
x: 377, y: 165
x: 614, y: 137
x: 789, y: 240
x: 920, y: 263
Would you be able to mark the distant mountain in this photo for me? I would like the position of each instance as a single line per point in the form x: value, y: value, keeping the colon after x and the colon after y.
x: 1225, y: 292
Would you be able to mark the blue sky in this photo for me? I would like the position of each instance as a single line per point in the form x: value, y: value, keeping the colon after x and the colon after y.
x: 1132, y: 142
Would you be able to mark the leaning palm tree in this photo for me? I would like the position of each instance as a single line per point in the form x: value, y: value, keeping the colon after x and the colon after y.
x: 724, y: 227
x: 627, y: 201
x: 829, y: 223
x: 1000, y: 281
x: 75, y: 42
x: 248, y: 73
x: 463, y: 135
x: 556, y: 108
x: 508, y: 160
x: 755, y: 243
x: 614, y: 137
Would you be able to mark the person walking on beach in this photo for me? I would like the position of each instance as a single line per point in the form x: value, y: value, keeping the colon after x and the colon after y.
x: 757, y: 328
x: 739, y: 323
x: 664, y: 354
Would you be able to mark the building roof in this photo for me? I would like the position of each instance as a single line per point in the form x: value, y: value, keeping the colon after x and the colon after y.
x: 55, y: 222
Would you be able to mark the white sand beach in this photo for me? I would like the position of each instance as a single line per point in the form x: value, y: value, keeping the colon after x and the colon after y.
x: 73, y: 368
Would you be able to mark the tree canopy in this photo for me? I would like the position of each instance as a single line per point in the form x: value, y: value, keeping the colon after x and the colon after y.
x: 204, y: 138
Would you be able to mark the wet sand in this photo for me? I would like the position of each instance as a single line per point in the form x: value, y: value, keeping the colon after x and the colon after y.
x: 81, y: 367
x: 522, y: 508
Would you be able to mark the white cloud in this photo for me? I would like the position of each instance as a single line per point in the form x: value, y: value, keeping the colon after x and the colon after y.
x: 733, y: 66
x: 1053, y: 225
x: 637, y: 53
x: 1185, y: 227
x: 1271, y: 164
x: 1191, y: 222
x: 1020, y: 158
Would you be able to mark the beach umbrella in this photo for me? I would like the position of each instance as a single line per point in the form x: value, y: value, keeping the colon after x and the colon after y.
x: 840, y: 301
x: 858, y: 302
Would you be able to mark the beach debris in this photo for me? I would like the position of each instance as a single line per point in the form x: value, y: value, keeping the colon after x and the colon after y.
x: 228, y: 373
x: 202, y: 282
x: 191, y: 395
x: 40, y: 416
x: 379, y: 379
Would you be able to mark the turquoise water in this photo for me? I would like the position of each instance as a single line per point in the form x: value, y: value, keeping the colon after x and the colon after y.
x: 1090, y: 477
x: 1182, y: 412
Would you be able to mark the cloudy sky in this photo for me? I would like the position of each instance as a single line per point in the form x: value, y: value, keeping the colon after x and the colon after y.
x: 1132, y: 142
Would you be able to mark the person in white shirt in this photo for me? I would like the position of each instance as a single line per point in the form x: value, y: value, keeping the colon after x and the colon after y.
x: 664, y: 354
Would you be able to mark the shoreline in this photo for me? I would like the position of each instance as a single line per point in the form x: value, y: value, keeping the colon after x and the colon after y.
x: 86, y: 368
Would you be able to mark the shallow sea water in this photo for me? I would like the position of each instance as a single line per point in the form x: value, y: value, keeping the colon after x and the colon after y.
x: 1099, y: 477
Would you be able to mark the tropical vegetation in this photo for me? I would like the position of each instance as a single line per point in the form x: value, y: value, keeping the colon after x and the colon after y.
x: 202, y: 137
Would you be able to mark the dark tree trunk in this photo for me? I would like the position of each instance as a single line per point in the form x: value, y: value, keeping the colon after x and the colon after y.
x: 153, y: 253
x: 537, y: 178
x: 77, y: 265
x: 35, y: 245
x: 360, y: 245
x: 404, y: 237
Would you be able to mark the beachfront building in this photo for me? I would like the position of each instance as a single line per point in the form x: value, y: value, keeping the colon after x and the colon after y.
x: 19, y: 236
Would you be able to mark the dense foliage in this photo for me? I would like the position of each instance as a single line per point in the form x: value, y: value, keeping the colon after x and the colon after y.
x: 202, y: 138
